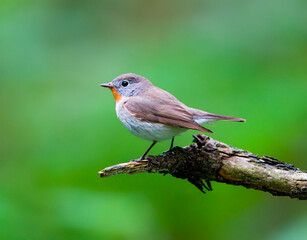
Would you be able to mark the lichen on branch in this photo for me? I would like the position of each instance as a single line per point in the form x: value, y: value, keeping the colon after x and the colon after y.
x: 210, y: 160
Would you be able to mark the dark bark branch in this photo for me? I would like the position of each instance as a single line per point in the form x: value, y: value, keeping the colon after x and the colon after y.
x: 210, y: 160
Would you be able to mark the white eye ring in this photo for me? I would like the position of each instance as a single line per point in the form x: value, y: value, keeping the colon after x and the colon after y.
x: 125, y: 83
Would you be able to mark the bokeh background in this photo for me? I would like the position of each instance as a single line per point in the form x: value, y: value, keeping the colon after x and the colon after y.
x: 59, y: 128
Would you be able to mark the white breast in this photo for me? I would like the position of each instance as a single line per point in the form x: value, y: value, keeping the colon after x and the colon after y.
x: 143, y: 129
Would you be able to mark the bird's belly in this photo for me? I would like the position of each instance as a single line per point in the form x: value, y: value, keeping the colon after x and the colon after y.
x: 150, y: 131
x: 147, y: 130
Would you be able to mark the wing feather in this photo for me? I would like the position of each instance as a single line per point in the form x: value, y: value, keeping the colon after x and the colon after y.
x: 163, y: 109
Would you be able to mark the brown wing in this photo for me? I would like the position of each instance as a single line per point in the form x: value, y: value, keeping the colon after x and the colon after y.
x: 164, y: 108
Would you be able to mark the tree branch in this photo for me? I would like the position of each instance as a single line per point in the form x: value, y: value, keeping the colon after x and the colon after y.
x: 210, y: 160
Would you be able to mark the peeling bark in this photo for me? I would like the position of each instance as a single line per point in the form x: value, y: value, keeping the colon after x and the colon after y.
x: 210, y: 160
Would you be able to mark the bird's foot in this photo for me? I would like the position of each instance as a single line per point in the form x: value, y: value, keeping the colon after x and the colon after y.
x: 173, y: 148
x: 200, y: 140
x: 138, y: 160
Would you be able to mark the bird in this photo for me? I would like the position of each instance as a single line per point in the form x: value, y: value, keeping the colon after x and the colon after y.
x: 154, y: 114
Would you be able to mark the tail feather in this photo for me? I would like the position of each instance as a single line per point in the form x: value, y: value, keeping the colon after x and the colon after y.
x: 214, y: 117
x: 203, y: 117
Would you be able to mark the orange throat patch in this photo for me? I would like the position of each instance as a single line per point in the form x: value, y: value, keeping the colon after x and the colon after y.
x: 116, y: 96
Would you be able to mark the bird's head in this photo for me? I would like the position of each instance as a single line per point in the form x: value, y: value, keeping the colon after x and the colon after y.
x: 128, y: 85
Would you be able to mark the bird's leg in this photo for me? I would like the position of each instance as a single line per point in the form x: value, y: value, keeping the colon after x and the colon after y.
x: 172, y: 143
x: 147, y: 151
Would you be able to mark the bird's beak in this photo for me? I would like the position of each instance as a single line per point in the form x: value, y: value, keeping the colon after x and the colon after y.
x: 108, y: 85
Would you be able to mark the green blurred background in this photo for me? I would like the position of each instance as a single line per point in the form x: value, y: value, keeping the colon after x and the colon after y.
x: 59, y: 128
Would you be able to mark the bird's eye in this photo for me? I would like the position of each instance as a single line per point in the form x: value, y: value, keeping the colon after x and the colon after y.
x: 125, y: 83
